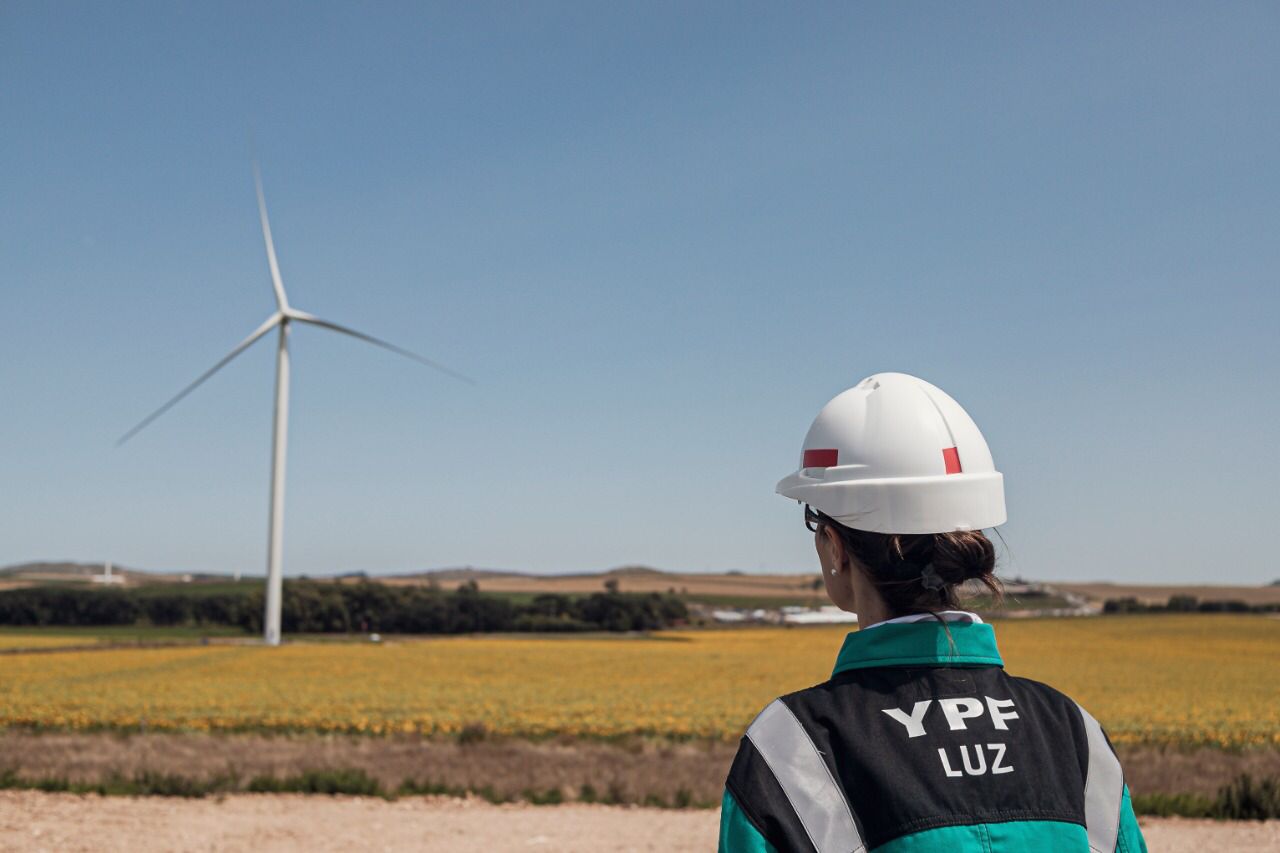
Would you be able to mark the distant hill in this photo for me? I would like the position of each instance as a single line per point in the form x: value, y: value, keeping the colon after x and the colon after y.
x: 465, y: 573
x: 634, y: 571
x: 42, y: 572
x: 66, y: 571
x: 63, y: 569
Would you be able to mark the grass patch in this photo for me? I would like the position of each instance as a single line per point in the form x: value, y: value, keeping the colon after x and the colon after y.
x: 987, y: 603
x: 139, y: 785
x: 1244, y: 798
x: 1171, y: 805
x: 550, y: 797
x: 123, y: 633
x: 353, y: 782
x: 198, y: 589
x: 753, y: 602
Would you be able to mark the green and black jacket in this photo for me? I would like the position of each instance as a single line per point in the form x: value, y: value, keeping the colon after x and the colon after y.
x: 921, y: 742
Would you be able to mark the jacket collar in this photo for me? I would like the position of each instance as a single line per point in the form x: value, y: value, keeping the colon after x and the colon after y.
x: 925, y: 643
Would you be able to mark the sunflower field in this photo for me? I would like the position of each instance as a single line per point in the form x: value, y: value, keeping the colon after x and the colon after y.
x: 1151, y: 679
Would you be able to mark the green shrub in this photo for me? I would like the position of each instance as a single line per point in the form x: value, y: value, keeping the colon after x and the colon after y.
x: 414, y: 788
x: 549, y: 797
x: 1170, y: 805
x: 487, y: 793
x: 354, y: 782
x: 1245, y: 799
x: 473, y: 733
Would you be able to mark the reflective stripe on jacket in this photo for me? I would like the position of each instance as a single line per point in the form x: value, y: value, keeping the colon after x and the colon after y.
x: 921, y: 742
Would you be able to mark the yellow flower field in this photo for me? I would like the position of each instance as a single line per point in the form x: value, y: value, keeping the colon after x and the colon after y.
x: 1198, y: 679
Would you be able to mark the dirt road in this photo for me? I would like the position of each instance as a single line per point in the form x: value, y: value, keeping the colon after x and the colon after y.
x: 31, y: 821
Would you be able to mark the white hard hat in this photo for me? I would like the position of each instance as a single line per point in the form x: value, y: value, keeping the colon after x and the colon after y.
x: 894, y: 454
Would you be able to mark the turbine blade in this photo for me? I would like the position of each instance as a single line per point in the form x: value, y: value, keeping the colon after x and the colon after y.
x: 271, y: 323
x: 276, y: 282
x: 304, y: 317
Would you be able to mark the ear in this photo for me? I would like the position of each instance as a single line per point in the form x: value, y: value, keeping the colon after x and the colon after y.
x: 832, y: 540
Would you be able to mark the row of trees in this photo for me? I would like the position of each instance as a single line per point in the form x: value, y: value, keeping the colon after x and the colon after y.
x: 1186, y: 604
x: 311, y: 607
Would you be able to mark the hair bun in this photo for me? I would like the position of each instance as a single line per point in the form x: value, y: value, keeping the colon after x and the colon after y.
x: 921, y: 572
x: 963, y: 556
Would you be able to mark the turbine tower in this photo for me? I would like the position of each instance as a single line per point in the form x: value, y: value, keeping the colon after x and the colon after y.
x: 281, y: 321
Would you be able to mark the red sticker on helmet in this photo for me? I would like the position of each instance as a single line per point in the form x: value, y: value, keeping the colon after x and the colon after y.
x: 820, y: 458
x: 951, y: 457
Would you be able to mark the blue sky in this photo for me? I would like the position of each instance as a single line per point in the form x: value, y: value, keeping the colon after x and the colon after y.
x: 660, y: 237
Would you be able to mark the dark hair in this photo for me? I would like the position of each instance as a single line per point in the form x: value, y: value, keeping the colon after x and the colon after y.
x: 902, y: 565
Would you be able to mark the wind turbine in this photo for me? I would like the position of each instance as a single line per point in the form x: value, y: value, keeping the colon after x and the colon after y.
x: 281, y: 320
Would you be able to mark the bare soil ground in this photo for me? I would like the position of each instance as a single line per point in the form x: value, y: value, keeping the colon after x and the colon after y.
x: 627, y: 771
x: 33, y: 821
